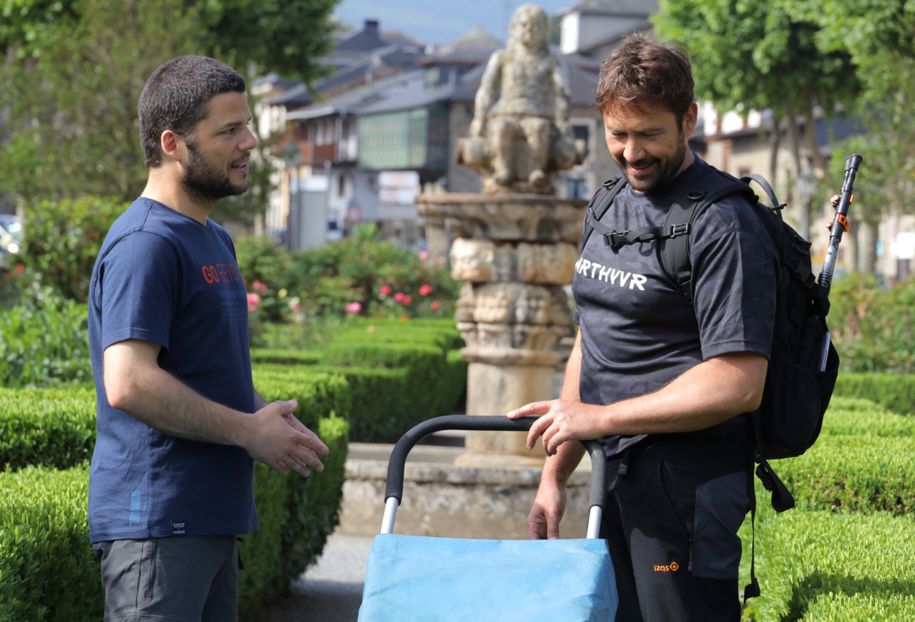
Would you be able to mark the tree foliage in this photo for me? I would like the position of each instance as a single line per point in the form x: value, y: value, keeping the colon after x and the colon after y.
x: 73, y: 71
x: 750, y: 55
x: 853, y: 57
x: 880, y: 37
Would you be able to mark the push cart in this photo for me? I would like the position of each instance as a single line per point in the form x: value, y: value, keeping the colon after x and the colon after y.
x: 425, y: 579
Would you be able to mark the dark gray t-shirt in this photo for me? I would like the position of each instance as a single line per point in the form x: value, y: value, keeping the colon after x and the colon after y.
x: 638, y: 332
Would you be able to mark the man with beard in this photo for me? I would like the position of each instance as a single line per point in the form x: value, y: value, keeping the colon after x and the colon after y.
x: 664, y: 382
x: 178, y: 419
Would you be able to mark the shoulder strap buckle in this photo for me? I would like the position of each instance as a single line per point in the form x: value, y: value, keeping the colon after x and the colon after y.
x: 678, y: 229
x: 616, y: 239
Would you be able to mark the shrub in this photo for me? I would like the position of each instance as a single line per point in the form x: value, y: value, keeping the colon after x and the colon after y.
x: 49, y: 427
x: 861, y: 462
x: 894, y: 391
x: 822, y: 566
x: 284, y: 357
x: 314, y: 504
x: 425, y: 367
x: 44, y: 341
x: 382, y: 407
x: 872, y: 326
x: 264, y: 264
x: 63, y: 238
x: 864, y: 474
x: 296, y: 517
x: 371, y: 272
x: 47, y: 570
x: 319, y: 394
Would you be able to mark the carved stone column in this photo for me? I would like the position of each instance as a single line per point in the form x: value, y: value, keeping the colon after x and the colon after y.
x: 514, y: 253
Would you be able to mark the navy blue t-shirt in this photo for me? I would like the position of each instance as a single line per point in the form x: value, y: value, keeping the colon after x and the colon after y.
x: 638, y: 332
x: 164, y: 278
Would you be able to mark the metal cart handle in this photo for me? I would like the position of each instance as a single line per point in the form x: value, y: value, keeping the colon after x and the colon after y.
x: 394, y: 491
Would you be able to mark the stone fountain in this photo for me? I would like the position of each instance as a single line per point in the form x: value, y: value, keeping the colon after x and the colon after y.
x: 515, y: 247
x: 515, y: 244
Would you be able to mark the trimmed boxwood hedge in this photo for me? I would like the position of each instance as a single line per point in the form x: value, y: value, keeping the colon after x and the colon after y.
x: 838, y: 556
x: 51, y: 427
x: 382, y: 405
x: 47, y: 571
x: 894, y: 391
x: 285, y: 357
x: 825, y: 566
x: 862, y: 462
x: 296, y: 517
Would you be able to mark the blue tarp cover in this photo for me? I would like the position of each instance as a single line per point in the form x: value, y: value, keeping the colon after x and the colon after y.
x: 418, y: 578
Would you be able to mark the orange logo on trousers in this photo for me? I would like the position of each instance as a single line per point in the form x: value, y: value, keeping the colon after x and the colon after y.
x: 671, y: 567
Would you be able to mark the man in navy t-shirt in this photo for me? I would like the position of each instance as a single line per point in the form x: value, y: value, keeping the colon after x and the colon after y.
x: 179, y: 421
x: 660, y: 380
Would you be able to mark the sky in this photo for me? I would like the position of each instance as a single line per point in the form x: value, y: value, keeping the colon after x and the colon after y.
x: 438, y: 21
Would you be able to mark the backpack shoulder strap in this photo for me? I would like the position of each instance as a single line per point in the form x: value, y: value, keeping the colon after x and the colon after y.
x: 600, y: 203
x: 674, y: 251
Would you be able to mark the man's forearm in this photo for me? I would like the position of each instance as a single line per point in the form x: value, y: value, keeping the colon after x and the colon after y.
x: 160, y: 400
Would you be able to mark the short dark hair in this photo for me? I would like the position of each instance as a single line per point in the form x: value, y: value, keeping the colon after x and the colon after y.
x: 642, y: 71
x: 175, y: 98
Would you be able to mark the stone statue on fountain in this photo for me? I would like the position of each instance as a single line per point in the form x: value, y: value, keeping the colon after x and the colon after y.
x: 520, y: 132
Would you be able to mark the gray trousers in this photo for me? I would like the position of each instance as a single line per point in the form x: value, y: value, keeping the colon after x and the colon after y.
x: 183, y: 579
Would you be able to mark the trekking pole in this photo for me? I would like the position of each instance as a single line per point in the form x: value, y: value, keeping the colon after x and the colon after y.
x: 838, y: 227
x: 840, y: 223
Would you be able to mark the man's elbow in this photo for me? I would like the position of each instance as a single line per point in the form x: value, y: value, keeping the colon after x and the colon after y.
x: 119, y: 391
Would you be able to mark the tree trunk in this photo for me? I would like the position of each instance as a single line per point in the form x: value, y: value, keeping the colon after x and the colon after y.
x: 773, y: 154
x: 810, y: 138
x: 850, y: 247
x: 867, y: 251
x: 795, y: 139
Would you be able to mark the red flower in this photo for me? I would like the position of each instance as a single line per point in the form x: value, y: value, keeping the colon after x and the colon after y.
x: 436, y: 305
x: 425, y: 290
x: 20, y: 268
x: 254, y: 301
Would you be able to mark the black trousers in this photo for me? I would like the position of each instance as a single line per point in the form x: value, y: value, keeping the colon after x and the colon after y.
x: 673, y: 511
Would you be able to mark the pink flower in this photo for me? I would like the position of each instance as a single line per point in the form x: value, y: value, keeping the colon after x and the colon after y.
x: 423, y: 255
x: 259, y: 286
x: 254, y: 301
x: 399, y: 296
x: 385, y: 290
x: 425, y: 290
x: 436, y: 305
x: 406, y: 300
x: 354, y: 307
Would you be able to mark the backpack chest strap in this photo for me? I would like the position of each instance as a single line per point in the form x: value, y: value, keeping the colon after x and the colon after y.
x: 618, y: 239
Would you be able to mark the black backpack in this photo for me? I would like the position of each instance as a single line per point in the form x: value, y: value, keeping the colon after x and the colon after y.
x: 803, y: 363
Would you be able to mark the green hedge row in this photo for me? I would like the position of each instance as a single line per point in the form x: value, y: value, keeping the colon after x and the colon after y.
x: 47, y: 570
x: 296, y: 517
x: 826, y: 566
x: 861, y: 463
x: 837, y: 556
x: 382, y: 405
x: 43, y: 511
x: 400, y: 372
x: 894, y: 391
x: 50, y: 427
x: 285, y: 357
